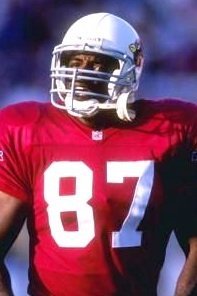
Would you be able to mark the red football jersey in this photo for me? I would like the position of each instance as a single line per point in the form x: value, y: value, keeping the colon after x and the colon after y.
x: 102, y: 203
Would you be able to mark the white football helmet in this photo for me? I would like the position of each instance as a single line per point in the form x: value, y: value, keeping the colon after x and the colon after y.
x: 105, y: 34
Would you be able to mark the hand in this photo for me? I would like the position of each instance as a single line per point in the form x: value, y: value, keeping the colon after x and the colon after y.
x: 187, y: 281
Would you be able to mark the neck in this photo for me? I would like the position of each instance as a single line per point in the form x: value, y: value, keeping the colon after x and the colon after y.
x: 101, y: 120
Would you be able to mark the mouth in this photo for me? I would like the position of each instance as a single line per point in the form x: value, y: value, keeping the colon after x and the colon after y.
x: 84, y: 90
x: 82, y: 87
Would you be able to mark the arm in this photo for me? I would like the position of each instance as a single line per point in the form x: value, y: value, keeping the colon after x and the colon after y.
x: 187, y: 280
x: 11, y: 220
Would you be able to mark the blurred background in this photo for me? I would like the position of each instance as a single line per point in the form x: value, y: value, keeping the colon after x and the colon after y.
x: 30, y: 29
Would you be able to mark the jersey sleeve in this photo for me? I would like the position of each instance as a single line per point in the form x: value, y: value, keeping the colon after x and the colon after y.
x: 12, y: 179
x: 185, y: 216
x: 179, y: 173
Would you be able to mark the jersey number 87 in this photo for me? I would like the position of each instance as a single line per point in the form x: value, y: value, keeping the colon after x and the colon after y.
x: 127, y: 236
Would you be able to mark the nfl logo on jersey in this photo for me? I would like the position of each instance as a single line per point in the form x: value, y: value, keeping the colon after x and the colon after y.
x: 97, y: 135
x: 1, y: 156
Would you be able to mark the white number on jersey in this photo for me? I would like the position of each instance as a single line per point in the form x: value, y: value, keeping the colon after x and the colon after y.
x: 128, y: 236
x: 78, y: 202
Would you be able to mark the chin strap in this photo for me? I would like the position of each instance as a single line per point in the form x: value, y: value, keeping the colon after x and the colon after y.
x: 92, y: 106
x: 83, y: 108
x: 122, y: 110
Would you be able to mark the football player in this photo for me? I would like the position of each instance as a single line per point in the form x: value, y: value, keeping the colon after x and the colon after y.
x: 101, y: 178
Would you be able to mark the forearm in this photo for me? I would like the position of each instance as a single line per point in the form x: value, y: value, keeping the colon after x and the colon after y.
x: 187, y: 280
x: 13, y: 213
x: 5, y: 282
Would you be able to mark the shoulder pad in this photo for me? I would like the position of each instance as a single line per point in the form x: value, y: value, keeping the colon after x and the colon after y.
x: 21, y: 113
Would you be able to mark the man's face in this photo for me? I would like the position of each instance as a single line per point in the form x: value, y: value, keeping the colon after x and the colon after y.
x: 94, y: 62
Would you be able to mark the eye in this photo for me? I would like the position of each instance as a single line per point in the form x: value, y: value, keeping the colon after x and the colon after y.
x: 75, y: 63
x: 70, y: 61
x: 108, y: 64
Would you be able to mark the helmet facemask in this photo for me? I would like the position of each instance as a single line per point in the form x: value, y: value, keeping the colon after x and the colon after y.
x: 120, y: 82
x: 69, y: 85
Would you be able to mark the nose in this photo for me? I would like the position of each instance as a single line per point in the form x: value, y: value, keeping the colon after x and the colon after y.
x: 88, y: 64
